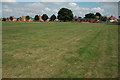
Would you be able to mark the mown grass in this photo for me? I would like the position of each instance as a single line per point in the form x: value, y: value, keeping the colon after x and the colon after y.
x: 60, y: 50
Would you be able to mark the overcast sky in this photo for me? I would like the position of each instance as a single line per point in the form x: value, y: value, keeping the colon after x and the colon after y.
x: 19, y: 8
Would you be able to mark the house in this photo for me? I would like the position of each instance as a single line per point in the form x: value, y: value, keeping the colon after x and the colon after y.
x: 56, y: 20
x: 97, y: 17
x: 76, y: 19
x: 14, y: 18
x: 40, y: 19
x: 19, y: 19
x: 85, y: 20
x: 113, y: 19
x: 30, y: 19
x: 91, y: 20
x: 23, y: 18
x: 47, y: 20
x: 8, y: 19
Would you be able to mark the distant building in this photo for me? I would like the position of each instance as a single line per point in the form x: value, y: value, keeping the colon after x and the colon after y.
x: 113, y: 19
x: 97, y: 17
x: 47, y: 20
x: 76, y: 19
x: 14, y: 18
x: 91, y: 20
x: 40, y: 19
x: 30, y: 19
x: 19, y: 19
x: 23, y: 18
x: 8, y: 19
x: 56, y: 20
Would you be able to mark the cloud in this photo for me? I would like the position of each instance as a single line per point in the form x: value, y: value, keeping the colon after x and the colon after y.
x: 35, y: 5
x: 7, y: 10
x: 72, y: 4
x: 109, y: 4
x: 81, y: 11
x: 110, y: 7
x: 39, y: 8
x: 10, y: 4
x: 30, y: 9
x: 119, y: 8
x: 47, y: 9
x: 109, y: 1
x: 8, y: 0
x: 5, y: 6
x: 52, y: 0
x: 98, y: 9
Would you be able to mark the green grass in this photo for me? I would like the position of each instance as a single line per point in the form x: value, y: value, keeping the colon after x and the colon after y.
x: 60, y: 50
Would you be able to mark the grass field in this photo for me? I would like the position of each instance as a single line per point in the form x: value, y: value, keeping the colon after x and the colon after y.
x: 60, y: 50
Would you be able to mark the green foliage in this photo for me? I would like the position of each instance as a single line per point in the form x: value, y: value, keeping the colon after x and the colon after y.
x: 11, y: 18
x: 27, y: 17
x: 103, y: 18
x: 17, y: 19
x: 98, y: 14
x: 90, y: 15
x: 53, y: 17
x: 4, y: 19
x: 79, y: 17
x: 44, y: 17
x: 36, y: 18
x: 65, y: 14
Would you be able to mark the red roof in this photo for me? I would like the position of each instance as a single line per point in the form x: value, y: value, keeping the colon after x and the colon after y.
x: 112, y: 17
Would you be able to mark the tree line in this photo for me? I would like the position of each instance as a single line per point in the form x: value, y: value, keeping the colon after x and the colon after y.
x: 44, y: 17
x: 64, y: 14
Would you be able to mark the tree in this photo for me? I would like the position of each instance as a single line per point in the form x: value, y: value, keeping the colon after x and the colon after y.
x: 17, y: 19
x: 27, y: 18
x: 4, y: 19
x: 44, y: 17
x: 103, y: 18
x: 65, y: 14
x: 98, y: 14
x: 11, y: 18
x: 53, y: 17
x: 79, y: 17
x: 90, y: 15
x: 36, y: 18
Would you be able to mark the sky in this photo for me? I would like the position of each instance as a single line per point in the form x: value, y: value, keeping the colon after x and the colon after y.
x: 59, y: 0
x: 19, y: 8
